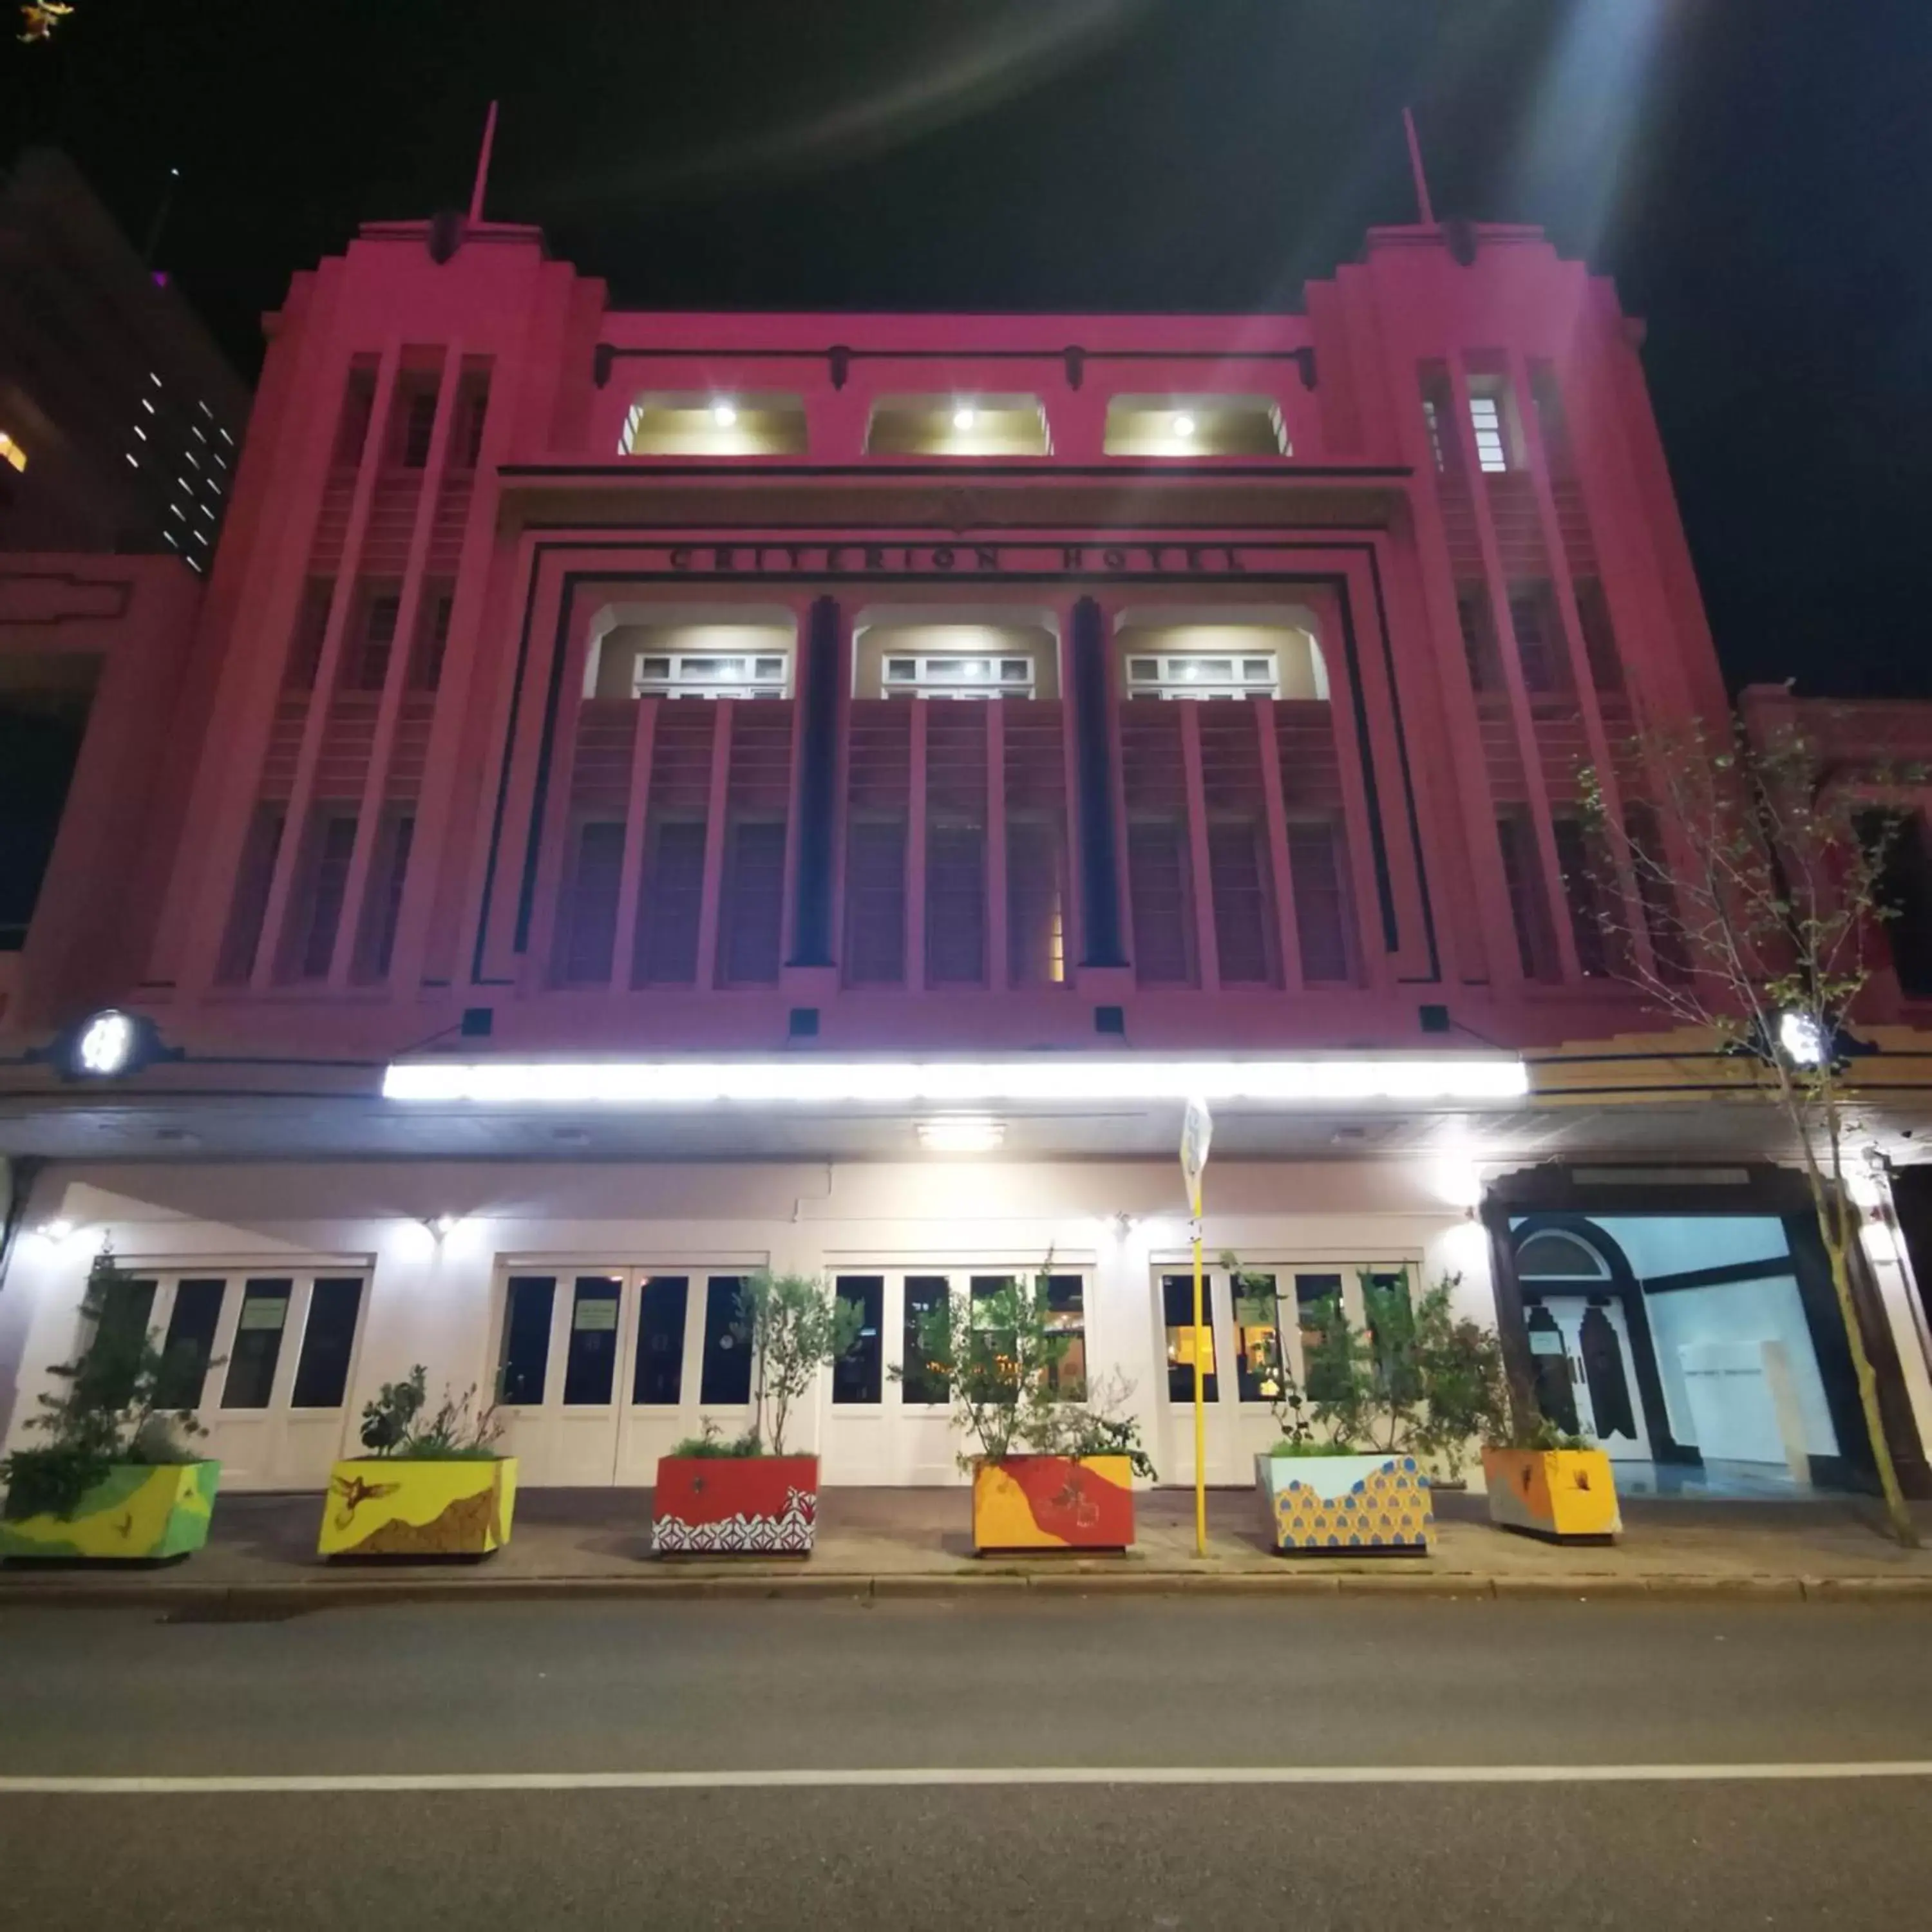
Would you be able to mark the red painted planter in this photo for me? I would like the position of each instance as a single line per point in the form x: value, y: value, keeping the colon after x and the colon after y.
x: 1054, y: 1502
x: 734, y: 1506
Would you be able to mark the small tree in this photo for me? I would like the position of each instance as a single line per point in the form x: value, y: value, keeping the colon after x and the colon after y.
x: 796, y: 1326
x: 1753, y: 903
x: 105, y: 1411
x: 999, y: 1355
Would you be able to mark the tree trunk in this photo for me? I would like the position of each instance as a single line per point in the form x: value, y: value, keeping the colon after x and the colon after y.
x: 1896, y: 1508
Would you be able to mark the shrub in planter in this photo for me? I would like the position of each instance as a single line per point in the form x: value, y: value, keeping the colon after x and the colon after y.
x: 1347, y: 1476
x: 1546, y: 1482
x: 730, y: 1496
x: 117, y: 1479
x: 429, y: 1487
x: 1056, y: 1460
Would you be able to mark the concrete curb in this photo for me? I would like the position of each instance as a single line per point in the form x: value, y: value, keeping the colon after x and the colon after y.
x: 269, y: 1602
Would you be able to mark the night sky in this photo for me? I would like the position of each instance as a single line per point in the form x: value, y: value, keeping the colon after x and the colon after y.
x: 1755, y: 174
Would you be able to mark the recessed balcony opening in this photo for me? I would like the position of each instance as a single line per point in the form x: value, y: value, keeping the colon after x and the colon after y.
x: 1235, y: 653
x: 1003, y: 654
x: 688, y: 653
x: 957, y: 425
x: 1169, y: 426
x: 720, y: 423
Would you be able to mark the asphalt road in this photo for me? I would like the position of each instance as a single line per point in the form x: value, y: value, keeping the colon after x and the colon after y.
x: 1440, y: 1763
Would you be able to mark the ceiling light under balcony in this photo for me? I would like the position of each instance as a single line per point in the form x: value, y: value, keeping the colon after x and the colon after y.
x: 1183, y: 425
x: 724, y: 414
x: 964, y: 416
x: 961, y: 1133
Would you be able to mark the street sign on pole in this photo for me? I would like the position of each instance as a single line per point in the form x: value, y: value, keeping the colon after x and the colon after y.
x: 1197, y: 1132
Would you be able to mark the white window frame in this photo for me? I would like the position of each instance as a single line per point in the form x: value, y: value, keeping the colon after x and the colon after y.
x: 1175, y: 674
x: 936, y: 674
x: 695, y: 674
x: 1491, y: 429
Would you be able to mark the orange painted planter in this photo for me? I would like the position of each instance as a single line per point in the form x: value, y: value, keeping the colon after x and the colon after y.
x: 1567, y: 1496
x: 1053, y: 1502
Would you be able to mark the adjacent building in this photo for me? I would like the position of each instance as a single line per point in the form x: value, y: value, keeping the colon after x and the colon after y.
x: 644, y: 797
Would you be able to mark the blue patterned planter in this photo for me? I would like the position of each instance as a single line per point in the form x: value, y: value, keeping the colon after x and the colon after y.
x: 1346, y: 1505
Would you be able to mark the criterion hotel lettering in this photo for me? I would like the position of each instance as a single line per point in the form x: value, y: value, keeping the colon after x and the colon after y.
x: 956, y: 559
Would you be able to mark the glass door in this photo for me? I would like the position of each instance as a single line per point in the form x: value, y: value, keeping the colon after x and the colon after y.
x: 1215, y: 1346
x: 600, y: 1372
x: 264, y: 1364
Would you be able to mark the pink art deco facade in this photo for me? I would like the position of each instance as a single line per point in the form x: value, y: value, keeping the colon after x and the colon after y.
x: 576, y: 685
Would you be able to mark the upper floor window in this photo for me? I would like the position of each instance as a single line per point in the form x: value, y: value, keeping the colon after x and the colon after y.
x: 708, y: 674
x: 719, y: 423
x: 1486, y: 419
x: 688, y: 651
x: 418, y: 405
x: 957, y: 425
x: 1195, y: 426
x: 907, y: 653
x: 958, y: 677
x: 1253, y: 659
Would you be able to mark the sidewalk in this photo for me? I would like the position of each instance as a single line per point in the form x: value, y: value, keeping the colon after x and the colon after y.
x: 261, y: 1558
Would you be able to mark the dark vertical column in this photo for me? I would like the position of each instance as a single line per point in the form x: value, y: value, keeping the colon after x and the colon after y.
x: 1093, y: 739
x: 818, y: 768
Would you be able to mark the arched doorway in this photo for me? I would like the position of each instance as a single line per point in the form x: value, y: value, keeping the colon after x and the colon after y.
x: 1581, y: 1348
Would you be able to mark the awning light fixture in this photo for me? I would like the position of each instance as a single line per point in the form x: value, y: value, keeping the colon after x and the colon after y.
x: 1065, y: 1079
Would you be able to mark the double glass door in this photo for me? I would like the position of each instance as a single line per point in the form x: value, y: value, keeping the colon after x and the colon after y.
x: 262, y: 1361
x: 599, y: 1373
x: 1285, y: 1307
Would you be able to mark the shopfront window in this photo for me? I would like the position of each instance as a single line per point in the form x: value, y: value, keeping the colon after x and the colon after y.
x: 328, y: 1341
x: 726, y: 1378
x: 660, y: 1370
x: 857, y: 1376
x: 922, y: 1382
x: 190, y: 1346
x: 258, y: 1344
x: 1177, y: 1295
x: 1317, y: 1306
x: 590, y: 1363
x: 525, y: 1362
x: 1257, y: 1338
x: 1066, y: 1320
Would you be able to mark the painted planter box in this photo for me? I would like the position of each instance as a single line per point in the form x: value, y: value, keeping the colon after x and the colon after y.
x: 1344, y: 1505
x: 735, y: 1506
x: 1567, y: 1495
x: 1053, y: 1502
x: 397, y: 1506
x: 136, y: 1513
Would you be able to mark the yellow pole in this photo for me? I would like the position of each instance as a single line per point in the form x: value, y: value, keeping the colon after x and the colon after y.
x: 1200, y: 1403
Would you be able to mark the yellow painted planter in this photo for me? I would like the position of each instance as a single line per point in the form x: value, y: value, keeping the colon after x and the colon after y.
x: 384, y: 1506
x: 1567, y: 1495
x: 1054, y: 1502
x: 134, y: 1513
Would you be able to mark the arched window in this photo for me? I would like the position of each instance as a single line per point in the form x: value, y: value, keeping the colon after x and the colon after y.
x: 1552, y: 1255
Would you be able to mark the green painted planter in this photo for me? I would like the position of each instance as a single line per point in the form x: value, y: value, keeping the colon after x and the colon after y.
x: 136, y: 1512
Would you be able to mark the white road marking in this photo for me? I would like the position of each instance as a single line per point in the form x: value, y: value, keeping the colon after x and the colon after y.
x: 887, y: 1777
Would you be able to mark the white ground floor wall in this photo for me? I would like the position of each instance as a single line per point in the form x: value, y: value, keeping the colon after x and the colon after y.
x: 257, y: 1261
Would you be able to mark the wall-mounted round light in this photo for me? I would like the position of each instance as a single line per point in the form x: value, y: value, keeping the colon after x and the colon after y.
x: 964, y: 416
x: 58, y: 1230
x: 109, y: 1044
x: 1184, y: 424
x: 105, y: 1044
x: 723, y: 413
